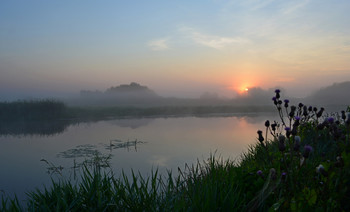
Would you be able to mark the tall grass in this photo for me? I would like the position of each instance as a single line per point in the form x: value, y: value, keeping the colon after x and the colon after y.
x: 32, y: 110
x: 301, y: 163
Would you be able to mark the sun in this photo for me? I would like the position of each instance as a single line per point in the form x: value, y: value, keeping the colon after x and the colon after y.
x: 243, y: 90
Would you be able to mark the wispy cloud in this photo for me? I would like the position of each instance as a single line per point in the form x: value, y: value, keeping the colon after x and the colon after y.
x: 159, y: 45
x: 294, y: 7
x: 216, y: 42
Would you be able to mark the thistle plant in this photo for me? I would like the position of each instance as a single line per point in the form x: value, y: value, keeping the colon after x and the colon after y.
x: 307, y: 139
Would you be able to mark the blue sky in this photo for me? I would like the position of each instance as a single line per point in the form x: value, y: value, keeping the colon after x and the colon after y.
x: 175, y: 47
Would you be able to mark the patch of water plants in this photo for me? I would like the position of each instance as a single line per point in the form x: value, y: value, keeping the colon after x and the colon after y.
x: 300, y: 163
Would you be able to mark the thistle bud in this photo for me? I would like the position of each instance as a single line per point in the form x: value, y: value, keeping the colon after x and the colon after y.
x: 320, y: 112
x: 307, y: 150
x: 281, y: 145
x: 343, y: 116
x: 260, y: 136
x: 296, y: 143
x: 267, y: 123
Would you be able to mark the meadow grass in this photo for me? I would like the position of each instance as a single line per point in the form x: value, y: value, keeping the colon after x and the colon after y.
x: 300, y: 163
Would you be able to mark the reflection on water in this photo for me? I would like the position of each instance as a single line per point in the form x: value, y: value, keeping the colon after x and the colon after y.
x: 138, y: 144
x: 50, y: 128
x: 30, y: 128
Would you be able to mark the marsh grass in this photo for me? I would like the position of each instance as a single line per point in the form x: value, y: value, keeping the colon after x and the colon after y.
x: 302, y: 164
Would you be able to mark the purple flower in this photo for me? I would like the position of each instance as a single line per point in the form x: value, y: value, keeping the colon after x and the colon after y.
x: 286, y: 101
x: 307, y: 150
x: 283, y: 175
x: 330, y: 120
x: 274, y: 99
x: 296, y: 122
x: 277, y: 91
x: 260, y: 173
x: 288, y: 131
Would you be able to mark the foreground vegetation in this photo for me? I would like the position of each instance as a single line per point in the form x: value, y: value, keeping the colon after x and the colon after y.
x: 300, y: 163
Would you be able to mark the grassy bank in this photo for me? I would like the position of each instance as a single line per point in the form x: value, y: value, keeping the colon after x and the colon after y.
x: 299, y: 163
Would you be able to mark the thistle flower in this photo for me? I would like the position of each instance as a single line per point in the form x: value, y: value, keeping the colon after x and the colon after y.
x: 283, y: 176
x: 301, y: 105
x: 260, y: 173
x: 288, y: 131
x: 297, y: 121
x: 274, y: 99
x: 307, y: 150
x: 277, y: 91
x: 330, y: 120
x: 267, y: 123
x: 286, y: 101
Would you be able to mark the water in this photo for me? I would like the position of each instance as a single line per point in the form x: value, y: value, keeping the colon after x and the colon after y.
x: 138, y: 144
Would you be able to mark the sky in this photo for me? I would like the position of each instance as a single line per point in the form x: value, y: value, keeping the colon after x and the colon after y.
x: 177, y: 48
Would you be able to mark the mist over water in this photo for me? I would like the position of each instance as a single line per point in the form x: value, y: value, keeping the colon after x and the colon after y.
x: 164, y: 143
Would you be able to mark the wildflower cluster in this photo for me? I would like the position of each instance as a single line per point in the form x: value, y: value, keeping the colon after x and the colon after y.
x: 306, y: 139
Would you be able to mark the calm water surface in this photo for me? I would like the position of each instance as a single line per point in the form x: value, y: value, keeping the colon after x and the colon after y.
x: 163, y: 143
